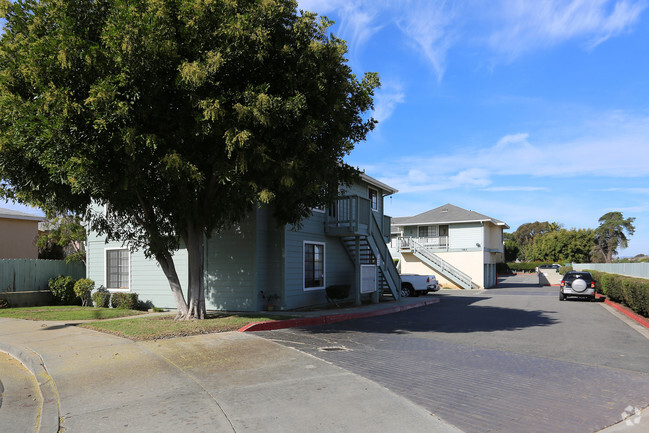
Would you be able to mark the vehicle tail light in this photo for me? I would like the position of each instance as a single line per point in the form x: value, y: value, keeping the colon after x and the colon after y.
x: 592, y: 284
x: 428, y: 280
x: 563, y: 282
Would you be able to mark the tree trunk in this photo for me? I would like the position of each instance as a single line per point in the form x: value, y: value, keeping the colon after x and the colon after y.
x: 169, y: 269
x: 195, y: 243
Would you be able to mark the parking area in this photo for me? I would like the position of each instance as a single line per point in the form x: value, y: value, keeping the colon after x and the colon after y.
x: 509, y: 359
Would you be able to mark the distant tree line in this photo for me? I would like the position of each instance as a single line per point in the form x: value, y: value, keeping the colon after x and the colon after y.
x: 550, y: 242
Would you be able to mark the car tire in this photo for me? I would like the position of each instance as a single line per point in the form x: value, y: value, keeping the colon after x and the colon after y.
x: 562, y: 297
x: 407, y: 290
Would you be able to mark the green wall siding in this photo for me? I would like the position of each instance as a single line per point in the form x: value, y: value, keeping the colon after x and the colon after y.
x: 339, y: 268
x: 231, y: 268
x: 145, y: 275
x: 241, y: 262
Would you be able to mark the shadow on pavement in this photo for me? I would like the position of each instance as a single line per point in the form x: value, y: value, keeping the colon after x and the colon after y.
x: 455, y: 314
x: 61, y: 326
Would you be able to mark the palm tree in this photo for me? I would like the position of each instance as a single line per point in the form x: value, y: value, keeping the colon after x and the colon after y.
x: 610, y: 235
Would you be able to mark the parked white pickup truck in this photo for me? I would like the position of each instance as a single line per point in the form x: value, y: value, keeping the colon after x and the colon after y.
x: 415, y: 285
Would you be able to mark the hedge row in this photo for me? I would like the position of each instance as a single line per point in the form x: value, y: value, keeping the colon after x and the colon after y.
x: 510, y: 268
x: 632, y: 292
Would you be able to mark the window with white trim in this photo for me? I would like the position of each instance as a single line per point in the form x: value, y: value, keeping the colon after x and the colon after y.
x: 314, y: 265
x: 117, y: 269
x: 374, y: 198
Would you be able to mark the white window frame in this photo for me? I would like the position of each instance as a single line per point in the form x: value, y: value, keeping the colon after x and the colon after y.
x: 324, y: 264
x: 369, y: 195
x: 106, y: 270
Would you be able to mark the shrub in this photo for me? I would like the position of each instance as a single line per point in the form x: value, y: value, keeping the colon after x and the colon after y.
x: 83, y: 288
x: 632, y: 292
x: 126, y: 301
x: 526, y: 266
x: 101, y: 297
x: 62, y: 289
x: 635, y: 292
x: 564, y: 269
x: 4, y: 303
x: 597, y: 275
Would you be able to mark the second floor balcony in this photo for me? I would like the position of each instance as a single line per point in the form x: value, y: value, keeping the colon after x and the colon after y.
x: 352, y: 216
x: 439, y: 243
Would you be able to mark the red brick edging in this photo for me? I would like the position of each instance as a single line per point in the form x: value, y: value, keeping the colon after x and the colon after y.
x: 332, y: 318
x: 626, y: 311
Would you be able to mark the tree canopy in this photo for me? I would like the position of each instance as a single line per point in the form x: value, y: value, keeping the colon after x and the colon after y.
x: 573, y: 245
x: 549, y: 242
x: 180, y: 116
x: 611, y: 234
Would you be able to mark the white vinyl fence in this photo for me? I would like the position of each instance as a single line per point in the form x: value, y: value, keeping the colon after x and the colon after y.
x: 639, y: 270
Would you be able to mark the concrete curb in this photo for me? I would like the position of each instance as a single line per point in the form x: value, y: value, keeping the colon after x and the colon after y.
x: 49, y: 414
x: 624, y: 310
x: 331, y: 318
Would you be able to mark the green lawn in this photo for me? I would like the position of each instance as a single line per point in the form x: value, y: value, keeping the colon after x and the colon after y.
x: 164, y: 326
x: 65, y: 312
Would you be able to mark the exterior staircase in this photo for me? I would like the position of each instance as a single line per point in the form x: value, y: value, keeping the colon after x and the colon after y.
x: 440, y: 265
x: 355, y: 219
x: 374, y: 251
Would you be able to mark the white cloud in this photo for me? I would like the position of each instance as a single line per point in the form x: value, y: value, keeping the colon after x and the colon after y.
x: 515, y: 188
x: 509, y: 27
x: 628, y: 190
x: 386, y: 100
x: 527, y: 25
x: 427, y: 25
x: 612, y: 145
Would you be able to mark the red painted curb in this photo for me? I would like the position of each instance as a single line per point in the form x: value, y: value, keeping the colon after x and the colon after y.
x: 332, y: 318
x: 624, y: 310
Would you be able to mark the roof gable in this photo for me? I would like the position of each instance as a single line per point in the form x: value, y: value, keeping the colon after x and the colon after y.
x: 446, y: 214
x: 14, y: 214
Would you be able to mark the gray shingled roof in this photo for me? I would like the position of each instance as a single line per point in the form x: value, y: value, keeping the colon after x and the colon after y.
x: 444, y: 215
x: 14, y: 214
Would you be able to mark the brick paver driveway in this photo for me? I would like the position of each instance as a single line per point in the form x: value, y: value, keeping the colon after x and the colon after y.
x: 510, y: 359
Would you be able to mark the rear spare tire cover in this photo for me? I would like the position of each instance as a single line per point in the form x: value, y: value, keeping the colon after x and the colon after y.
x: 579, y: 285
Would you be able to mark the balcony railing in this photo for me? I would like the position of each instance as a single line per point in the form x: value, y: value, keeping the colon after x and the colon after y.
x: 350, y: 215
x: 431, y: 242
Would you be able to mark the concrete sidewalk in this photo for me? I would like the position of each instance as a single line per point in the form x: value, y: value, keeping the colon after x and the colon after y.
x: 229, y: 382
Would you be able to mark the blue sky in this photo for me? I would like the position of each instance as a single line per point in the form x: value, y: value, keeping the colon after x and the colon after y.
x: 520, y: 110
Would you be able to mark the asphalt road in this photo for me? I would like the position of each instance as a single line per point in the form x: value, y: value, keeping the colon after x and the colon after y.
x: 510, y: 359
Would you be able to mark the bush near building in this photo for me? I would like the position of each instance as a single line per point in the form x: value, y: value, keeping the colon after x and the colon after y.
x: 124, y: 300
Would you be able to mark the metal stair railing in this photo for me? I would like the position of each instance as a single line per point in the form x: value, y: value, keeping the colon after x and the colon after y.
x: 386, y: 265
x: 441, y: 265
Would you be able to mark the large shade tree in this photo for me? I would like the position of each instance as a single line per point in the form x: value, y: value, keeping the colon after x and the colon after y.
x: 611, y: 234
x: 178, y: 116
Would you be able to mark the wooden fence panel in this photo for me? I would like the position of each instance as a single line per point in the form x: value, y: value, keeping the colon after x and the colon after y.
x: 25, y: 275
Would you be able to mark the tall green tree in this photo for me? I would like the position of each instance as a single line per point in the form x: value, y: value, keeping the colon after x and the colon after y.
x: 178, y: 116
x: 525, y: 234
x: 611, y: 234
x: 574, y: 245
